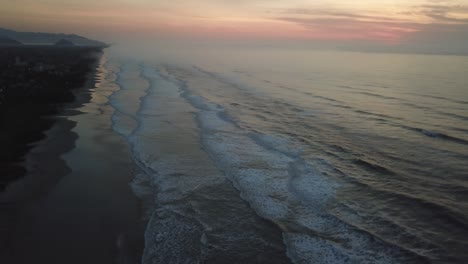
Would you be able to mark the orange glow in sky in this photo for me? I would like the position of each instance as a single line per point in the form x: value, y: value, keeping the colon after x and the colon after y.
x: 387, y: 21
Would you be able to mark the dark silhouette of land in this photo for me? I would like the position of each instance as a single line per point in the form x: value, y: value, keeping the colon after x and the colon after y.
x: 60, y: 211
x: 34, y: 82
x: 80, y: 210
x: 47, y: 38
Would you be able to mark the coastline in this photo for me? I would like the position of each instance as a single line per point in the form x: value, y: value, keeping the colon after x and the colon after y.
x: 58, y: 209
x: 37, y: 83
x: 45, y: 154
x: 42, y: 166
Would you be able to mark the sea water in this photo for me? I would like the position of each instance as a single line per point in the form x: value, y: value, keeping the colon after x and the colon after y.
x: 277, y: 155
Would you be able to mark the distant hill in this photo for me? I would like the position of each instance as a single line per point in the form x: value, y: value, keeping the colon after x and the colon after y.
x: 4, y: 40
x: 64, y: 42
x: 47, y: 38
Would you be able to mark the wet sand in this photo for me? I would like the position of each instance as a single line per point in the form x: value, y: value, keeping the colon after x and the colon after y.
x: 35, y: 82
x: 76, y: 207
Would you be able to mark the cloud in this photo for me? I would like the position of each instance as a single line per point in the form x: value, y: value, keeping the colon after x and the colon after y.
x: 438, y: 24
x: 434, y: 25
x: 334, y: 14
x: 335, y: 24
x: 440, y: 13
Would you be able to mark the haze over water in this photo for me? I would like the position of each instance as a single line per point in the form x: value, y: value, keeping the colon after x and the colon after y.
x: 352, y: 156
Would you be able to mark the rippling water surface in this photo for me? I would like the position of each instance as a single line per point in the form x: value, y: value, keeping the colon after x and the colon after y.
x: 269, y: 155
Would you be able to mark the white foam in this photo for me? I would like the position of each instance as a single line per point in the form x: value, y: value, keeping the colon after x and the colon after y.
x: 267, y: 170
x: 285, y: 189
x: 123, y: 124
x: 126, y: 100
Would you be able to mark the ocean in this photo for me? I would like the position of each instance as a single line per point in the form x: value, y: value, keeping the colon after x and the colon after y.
x: 277, y: 155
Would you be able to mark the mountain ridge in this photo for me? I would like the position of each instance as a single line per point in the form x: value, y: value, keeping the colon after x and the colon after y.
x: 47, y: 38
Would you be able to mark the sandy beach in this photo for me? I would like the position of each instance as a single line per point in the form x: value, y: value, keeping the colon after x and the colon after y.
x: 74, y: 206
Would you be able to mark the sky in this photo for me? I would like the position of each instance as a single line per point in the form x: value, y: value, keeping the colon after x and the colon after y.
x: 430, y: 25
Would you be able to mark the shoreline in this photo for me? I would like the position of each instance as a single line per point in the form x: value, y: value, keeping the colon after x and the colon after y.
x: 57, y: 209
x: 42, y: 158
x: 57, y: 140
x: 36, y: 84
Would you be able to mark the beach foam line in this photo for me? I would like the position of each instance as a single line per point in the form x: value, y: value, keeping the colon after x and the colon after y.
x: 179, y: 188
x: 282, y: 187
